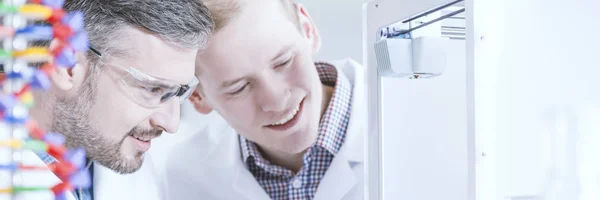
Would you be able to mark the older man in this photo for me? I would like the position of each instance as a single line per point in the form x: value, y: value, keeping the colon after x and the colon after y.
x: 127, y: 89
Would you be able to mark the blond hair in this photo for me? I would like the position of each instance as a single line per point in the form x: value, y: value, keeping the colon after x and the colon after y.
x: 224, y: 11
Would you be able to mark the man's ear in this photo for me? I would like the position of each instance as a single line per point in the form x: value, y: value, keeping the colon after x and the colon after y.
x: 200, y: 104
x: 63, y: 78
x: 308, y: 28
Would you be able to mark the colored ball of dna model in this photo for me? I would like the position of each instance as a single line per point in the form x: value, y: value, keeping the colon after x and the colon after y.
x: 24, y: 68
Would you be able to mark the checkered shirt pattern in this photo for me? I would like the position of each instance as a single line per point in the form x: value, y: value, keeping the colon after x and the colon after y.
x: 281, y: 183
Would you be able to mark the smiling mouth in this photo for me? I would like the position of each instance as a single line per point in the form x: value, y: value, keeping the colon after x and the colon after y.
x: 289, y: 120
x: 143, y: 139
x: 288, y: 117
x: 146, y: 136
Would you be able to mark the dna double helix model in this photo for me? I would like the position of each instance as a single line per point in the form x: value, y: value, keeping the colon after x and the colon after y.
x: 26, y: 67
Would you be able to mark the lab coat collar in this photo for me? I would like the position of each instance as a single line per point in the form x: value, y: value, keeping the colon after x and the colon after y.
x: 141, y: 184
x: 224, y: 153
x: 225, y: 158
x: 353, y: 148
x: 246, y: 184
x: 339, y: 176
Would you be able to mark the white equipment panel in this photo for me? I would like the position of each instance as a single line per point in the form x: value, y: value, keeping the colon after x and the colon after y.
x: 514, y: 117
x: 418, y: 137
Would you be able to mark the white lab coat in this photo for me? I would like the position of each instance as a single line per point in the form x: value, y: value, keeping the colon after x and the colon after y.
x: 209, y: 165
x: 141, y: 185
x: 108, y: 185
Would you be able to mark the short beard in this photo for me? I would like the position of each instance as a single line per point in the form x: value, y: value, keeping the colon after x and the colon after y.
x: 71, y: 117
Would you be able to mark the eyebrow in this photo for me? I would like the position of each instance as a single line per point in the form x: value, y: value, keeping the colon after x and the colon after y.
x: 119, y: 52
x: 282, y: 52
x: 159, y: 84
x: 231, y: 82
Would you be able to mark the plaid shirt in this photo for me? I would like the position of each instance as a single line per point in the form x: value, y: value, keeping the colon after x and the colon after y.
x: 280, y: 183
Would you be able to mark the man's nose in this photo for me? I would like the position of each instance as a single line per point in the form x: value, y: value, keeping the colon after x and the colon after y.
x: 167, y: 117
x: 274, y: 97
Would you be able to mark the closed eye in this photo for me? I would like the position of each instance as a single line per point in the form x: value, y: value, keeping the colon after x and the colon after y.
x: 239, y: 90
x: 286, y: 63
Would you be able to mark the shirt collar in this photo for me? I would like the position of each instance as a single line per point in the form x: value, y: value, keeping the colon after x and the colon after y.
x: 334, y: 122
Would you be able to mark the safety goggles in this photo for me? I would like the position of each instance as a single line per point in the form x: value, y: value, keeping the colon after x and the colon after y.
x: 147, y: 90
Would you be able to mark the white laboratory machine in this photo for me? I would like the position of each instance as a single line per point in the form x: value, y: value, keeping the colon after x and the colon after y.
x: 482, y: 100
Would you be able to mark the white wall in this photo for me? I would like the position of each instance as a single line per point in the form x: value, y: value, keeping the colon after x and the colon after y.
x: 538, y: 99
x: 340, y: 26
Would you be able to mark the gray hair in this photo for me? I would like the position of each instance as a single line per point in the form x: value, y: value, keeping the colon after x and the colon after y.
x: 182, y: 23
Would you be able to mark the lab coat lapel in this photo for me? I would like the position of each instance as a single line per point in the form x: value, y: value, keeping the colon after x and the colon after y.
x: 107, y: 185
x: 354, y: 146
x: 225, y: 162
x: 338, y: 180
x: 246, y: 185
x: 346, y: 171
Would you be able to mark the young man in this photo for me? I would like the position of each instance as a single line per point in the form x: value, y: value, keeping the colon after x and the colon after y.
x: 297, y: 126
x: 127, y: 89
